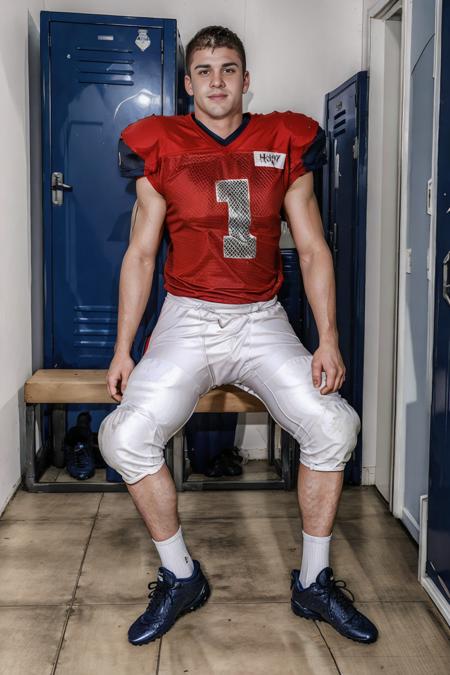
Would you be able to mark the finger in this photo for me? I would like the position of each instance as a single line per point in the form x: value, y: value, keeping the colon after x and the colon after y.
x: 114, y: 388
x: 338, y: 381
x: 316, y: 370
x: 330, y: 381
x: 341, y: 380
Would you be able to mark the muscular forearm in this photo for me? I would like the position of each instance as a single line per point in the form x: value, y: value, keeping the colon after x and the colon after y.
x: 136, y: 277
x: 318, y: 280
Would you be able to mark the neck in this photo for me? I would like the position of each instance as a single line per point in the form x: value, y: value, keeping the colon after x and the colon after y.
x: 222, y: 127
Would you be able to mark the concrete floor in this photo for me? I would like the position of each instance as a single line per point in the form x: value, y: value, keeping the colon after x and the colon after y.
x: 74, y: 570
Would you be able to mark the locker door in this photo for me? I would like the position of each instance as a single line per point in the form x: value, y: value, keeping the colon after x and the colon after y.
x: 438, y: 548
x: 344, y: 204
x: 102, y: 77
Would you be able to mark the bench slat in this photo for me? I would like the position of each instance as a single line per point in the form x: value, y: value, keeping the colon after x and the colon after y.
x: 89, y: 386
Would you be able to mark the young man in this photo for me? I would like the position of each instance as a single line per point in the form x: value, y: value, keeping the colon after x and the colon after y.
x: 218, y: 179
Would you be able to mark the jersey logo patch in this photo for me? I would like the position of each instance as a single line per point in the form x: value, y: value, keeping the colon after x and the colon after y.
x: 273, y: 159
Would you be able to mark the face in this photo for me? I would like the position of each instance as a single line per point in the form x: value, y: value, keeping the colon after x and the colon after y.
x: 217, y: 82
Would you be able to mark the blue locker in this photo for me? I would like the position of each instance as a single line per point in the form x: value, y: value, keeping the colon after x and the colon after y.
x: 344, y: 219
x: 99, y: 74
x: 438, y: 532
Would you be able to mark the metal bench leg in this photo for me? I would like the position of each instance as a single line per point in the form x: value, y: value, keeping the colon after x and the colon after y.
x: 59, y: 421
x: 30, y: 449
x: 288, y: 449
x: 178, y: 459
x: 270, y: 440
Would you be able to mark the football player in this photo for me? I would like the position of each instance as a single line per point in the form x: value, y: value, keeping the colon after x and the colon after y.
x: 218, y: 179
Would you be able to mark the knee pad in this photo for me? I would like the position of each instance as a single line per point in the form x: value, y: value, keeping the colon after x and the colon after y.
x: 131, y: 443
x: 331, y: 439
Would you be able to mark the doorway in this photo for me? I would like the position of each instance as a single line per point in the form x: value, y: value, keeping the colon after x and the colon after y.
x: 384, y: 60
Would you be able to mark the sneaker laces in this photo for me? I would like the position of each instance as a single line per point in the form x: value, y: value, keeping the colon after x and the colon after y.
x: 80, y: 456
x: 339, y: 590
x: 158, y: 591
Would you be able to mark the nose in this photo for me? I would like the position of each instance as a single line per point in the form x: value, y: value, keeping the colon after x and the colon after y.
x: 216, y: 79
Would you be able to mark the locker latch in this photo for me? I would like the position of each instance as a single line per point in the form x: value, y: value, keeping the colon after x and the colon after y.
x: 446, y: 278
x: 430, y: 197
x: 58, y: 188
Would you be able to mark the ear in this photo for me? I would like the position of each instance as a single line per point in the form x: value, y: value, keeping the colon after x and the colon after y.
x: 188, y: 85
x: 246, y: 82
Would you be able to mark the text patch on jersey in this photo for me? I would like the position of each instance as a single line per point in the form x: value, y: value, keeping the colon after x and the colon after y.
x: 273, y: 159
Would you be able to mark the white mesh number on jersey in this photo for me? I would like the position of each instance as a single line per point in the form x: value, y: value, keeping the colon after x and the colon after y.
x: 238, y: 243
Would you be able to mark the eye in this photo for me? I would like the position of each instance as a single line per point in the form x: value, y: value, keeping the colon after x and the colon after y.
x: 230, y: 70
x: 203, y: 72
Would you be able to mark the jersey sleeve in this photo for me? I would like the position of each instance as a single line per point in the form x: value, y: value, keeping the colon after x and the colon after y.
x: 139, y: 151
x: 307, y: 144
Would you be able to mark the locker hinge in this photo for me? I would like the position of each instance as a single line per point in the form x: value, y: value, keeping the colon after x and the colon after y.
x: 356, y: 148
x: 162, y: 51
x: 49, y: 40
x: 430, y: 197
x: 408, y: 261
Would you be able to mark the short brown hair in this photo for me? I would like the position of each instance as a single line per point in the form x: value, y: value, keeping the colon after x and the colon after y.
x: 212, y: 37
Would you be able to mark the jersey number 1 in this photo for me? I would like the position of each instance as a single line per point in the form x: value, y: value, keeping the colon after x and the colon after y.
x: 238, y: 243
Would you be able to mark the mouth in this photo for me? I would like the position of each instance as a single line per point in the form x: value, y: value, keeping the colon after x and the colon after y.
x: 217, y: 97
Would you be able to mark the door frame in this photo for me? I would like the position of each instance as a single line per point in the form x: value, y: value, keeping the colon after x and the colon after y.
x: 438, y: 598
x: 381, y: 374
x: 398, y: 483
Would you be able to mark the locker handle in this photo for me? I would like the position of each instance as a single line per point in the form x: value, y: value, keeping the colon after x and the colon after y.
x: 446, y: 278
x: 59, y: 187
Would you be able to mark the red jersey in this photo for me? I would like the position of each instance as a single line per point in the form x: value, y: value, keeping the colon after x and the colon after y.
x: 223, y: 196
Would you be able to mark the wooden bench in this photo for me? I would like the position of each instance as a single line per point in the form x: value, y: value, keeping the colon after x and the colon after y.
x: 60, y: 387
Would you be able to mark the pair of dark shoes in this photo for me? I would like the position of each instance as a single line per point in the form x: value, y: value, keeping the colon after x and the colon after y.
x: 323, y: 600
x: 227, y: 463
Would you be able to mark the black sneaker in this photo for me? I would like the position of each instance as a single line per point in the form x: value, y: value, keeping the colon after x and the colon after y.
x: 324, y: 600
x: 232, y: 461
x: 79, y: 460
x: 170, y: 598
x: 224, y: 465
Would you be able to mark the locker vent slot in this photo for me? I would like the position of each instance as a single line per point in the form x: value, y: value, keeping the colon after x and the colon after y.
x: 100, y: 60
x: 103, y: 49
x: 107, y: 72
x: 340, y: 123
x: 95, y: 326
x: 127, y: 83
x: 99, y: 70
x: 114, y: 69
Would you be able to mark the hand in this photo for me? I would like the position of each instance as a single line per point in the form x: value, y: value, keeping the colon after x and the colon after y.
x: 118, y: 374
x: 328, y: 358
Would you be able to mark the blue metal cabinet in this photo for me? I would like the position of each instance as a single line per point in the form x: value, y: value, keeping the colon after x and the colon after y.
x: 438, y: 535
x: 99, y: 74
x: 344, y: 219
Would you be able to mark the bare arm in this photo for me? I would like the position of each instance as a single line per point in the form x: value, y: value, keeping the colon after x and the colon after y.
x: 318, y: 277
x: 139, y: 263
x: 136, y: 277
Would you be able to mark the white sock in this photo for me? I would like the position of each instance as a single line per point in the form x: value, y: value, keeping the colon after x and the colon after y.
x: 316, y: 556
x: 175, y: 556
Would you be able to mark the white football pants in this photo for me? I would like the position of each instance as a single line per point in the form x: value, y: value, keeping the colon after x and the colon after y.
x: 197, y: 345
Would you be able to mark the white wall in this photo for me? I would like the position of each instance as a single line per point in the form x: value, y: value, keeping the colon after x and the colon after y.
x: 297, y: 51
x: 15, y: 269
